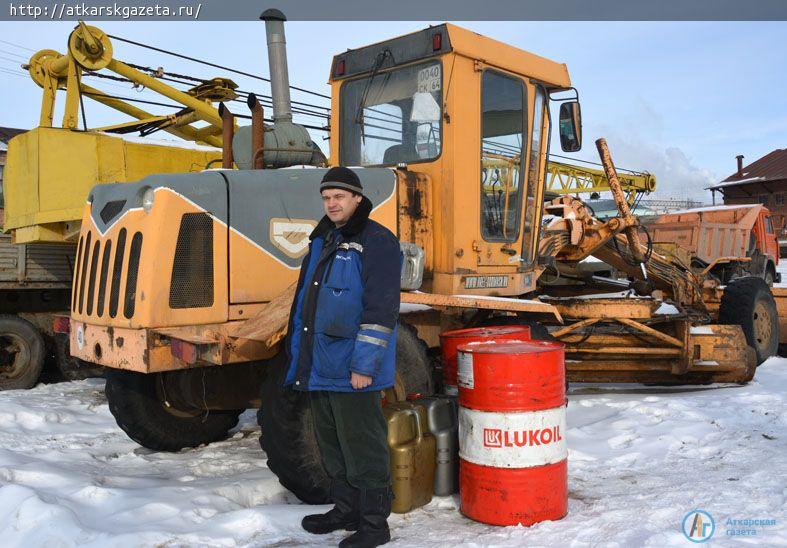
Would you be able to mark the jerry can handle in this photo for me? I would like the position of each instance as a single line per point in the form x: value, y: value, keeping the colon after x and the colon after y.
x: 418, y: 428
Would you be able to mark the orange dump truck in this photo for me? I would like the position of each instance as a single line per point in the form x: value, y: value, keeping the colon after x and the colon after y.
x: 729, y: 241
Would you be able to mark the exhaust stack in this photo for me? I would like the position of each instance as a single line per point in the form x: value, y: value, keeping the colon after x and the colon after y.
x: 277, y: 61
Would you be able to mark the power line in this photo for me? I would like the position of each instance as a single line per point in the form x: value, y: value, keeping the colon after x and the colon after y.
x: 178, y: 78
x: 131, y: 99
x: 266, y: 100
x: 17, y: 45
x: 12, y: 73
x: 9, y: 59
x: 14, y: 54
x: 297, y: 106
x: 194, y: 59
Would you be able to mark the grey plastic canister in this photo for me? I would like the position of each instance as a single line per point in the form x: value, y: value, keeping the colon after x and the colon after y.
x: 442, y: 419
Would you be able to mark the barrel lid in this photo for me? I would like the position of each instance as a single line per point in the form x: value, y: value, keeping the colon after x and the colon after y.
x: 490, y: 331
x: 510, y: 347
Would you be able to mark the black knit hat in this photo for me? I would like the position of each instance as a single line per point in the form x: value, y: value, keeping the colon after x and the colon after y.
x: 343, y: 178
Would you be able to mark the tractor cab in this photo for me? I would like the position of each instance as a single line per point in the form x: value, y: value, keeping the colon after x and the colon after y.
x: 465, y: 120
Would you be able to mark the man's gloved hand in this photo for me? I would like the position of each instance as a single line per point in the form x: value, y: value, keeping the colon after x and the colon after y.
x: 359, y: 381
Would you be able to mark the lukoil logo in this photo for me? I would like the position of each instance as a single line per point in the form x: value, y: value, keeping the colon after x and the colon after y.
x: 495, y: 437
x: 698, y: 526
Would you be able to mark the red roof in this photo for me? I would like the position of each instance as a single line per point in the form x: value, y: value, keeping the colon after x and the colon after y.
x: 771, y: 167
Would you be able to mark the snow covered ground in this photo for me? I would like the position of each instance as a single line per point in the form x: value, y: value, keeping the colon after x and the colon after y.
x: 640, y: 459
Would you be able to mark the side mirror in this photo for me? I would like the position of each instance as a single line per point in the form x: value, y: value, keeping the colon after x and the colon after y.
x: 570, y: 127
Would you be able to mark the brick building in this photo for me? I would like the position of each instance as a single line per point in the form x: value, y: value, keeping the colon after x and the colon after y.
x: 764, y: 181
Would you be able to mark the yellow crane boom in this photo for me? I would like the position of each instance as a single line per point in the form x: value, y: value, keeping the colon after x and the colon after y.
x: 563, y: 178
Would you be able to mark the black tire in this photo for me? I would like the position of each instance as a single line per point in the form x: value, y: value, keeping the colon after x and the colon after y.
x: 287, y: 436
x: 413, y: 364
x: 287, y: 428
x: 71, y: 368
x: 22, y: 353
x: 140, y: 411
x: 748, y: 302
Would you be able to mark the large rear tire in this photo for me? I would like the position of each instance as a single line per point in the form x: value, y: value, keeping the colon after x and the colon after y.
x: 287, y: 428
x: 141, y: 408
x: 748, y: 302
x: 22, y: 353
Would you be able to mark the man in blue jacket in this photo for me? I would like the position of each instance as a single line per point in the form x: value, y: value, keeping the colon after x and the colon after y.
x: 342, y: 349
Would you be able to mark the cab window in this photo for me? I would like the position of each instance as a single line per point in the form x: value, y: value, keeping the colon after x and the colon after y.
x: 503, y: 123
x: 392, y: 117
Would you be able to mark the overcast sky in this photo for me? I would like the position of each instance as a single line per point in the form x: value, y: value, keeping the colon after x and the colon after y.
x: 680, y: 100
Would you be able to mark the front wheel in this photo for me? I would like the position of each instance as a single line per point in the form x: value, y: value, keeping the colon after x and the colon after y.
x: 287, y: 428
x: 748, y: 302
x: 151, y: 416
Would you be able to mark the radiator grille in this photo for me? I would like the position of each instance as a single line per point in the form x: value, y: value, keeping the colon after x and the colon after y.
x: 102, y: 284
x: 117, y: 271
x: 91, y: 285
x: 191, y: 284
x: 75, y: 281
x: 131, y: 278
x: 83, y: 272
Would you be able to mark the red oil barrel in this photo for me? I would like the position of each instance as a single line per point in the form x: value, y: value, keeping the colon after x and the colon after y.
x: 512, y: 428
x: 451, y: 340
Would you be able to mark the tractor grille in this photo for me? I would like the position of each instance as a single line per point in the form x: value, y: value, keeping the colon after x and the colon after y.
x: 93, y: 266
x: 117, y: 270
x: 83, y: 270
x: 77, y: 265
x: 131, y: 278
x: 191, y: 285
x: 92, y: 284
x: 102, y: 284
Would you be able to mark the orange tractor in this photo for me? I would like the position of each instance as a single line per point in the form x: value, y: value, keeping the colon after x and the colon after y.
x: 183, y: 282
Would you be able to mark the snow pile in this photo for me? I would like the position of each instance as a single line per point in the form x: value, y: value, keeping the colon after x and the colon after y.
x: 640, y: 458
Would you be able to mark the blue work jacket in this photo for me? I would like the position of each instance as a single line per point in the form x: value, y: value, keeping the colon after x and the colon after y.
x: 346, y: 305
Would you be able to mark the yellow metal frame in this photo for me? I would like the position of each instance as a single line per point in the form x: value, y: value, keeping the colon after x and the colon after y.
x: 89, y: 48
x: 570, y: 179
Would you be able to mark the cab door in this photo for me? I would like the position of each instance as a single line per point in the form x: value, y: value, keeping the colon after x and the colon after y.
x: 503, y: 148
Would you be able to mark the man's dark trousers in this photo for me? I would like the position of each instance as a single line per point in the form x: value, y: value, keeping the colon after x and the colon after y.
x: 353, y: 437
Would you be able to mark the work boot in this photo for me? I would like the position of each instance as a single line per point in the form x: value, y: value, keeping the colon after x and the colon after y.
x: 375, y: 507
x: 344, y: 514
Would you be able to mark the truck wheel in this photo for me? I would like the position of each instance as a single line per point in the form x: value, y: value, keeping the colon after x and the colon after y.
x: 141, y: 408
x: 22, y: 352
x: 71, y: 368
x: 286, y: 425
x: 748, y: 302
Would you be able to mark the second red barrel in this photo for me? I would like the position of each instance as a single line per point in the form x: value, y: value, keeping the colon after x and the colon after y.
x: 451, y: 340
x: 512, y: 428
